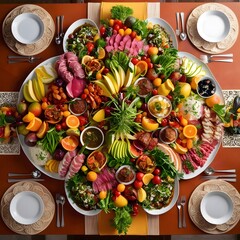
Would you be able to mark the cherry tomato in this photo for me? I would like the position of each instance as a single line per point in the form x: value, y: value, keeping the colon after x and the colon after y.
x: 90, y: 46
x: 58, y: 127
x: 156, y: 171
x: 105, y: 70
x: 64, y: 125
x: 111, y: 22
x: 118, y: 22
x: 150, y: 65
x: 135, y: 207
x: 137, y: 184
x: 144, y: 58
x: 154, y: 92
x: 179, y: 141
x: 44, y: 99
x: 102, y: 30
x: 156, y: 180
x: 169, y: 97
x: 83, y: 120
x: 116, y: 27
x: 139, y: 176
x: 164, y: 122
x: 134, y: 61
x: 117, y: 193
x: 133, y: 34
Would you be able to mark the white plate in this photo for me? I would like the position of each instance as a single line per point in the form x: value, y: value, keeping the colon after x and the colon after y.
x: 219, y: 92
x: 27, y: 207
x: 167, y: 27
x: 168, y: 207
x: 29, y: 151
x: 216, y: 207
x: 213, y: 26
x: 73, y: 27
x: 78, y: 209
x: 27, y: 28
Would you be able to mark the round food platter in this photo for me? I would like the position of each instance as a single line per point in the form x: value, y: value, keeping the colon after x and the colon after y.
x: 219, y: 92
x: 92, y: 176
x: 229, y: 198
x: 167, y: 27
x: 45, y: 37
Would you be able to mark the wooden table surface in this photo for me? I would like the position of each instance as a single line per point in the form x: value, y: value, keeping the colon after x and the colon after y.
x: 12, y: 76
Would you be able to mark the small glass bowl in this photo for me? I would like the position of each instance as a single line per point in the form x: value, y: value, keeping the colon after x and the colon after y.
x: 97, y: 135
x: 159, y: 106
x: 127, y: 181
x: 166, y: 132
x: 206, y: 87
x: 77, y: 106
x: 145, y: 86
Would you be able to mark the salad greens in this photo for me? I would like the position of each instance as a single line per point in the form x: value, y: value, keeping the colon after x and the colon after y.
x: 121, y: 12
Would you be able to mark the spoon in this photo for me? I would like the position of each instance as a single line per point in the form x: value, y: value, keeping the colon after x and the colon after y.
x: 58, y: 201
x: 34, y: 174
x: 58, y: 38
x: 62, y: 201
x: 210, y: 171
x: 183, y: 35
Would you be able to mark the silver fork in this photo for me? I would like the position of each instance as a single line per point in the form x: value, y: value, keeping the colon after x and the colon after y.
x: 208, y: 58
x: 16, y: 59
x: 179, y: 206
x: 183, y: 202
x: 58, y: 201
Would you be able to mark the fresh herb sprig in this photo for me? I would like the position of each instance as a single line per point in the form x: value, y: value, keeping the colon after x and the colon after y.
x: 162, y: 160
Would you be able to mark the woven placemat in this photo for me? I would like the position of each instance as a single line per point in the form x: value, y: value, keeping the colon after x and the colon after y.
x: 201, y: 44
x: 28, y: 49
x: 196, y: 198
x: 43, y: 222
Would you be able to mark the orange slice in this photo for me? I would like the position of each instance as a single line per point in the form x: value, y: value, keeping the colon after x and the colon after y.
x: 34, y: 125
x: 190, y: 131
x: 28, y: 117
x: 42, y: 130
x: 70, y: 143
x: 72, y: 121
x: 101, y: 53
x: 149, y: 124
x: 147, y: 178
x: 141, y: 195
x: 141, y: 68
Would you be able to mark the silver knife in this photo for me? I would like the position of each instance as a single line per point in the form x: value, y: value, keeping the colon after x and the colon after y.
x: 11, y: 180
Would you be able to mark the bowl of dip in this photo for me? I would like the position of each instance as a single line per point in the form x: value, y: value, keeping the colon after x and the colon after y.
x: 159, y: 106
x: 77, y: 106
x: 93, y: 137
x: 144, y: 86
x: 125, y: 175
x: 168, y: 135
x: 96, y: 160
x: 206, y: 87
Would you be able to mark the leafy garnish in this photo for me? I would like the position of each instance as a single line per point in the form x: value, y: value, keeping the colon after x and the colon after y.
x: 121, y: 12
x: 162, y: 160
x: 122, y: 219
x: 140, y: 26
x: 177, y: 97
x: 220, y: 110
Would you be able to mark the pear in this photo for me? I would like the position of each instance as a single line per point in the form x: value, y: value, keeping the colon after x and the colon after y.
x: 107, y: 81
x: 106, y: 92
x: 31, y: 91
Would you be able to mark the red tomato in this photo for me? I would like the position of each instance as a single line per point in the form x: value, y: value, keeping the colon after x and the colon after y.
x: 83, y: 120
x: 90, y: 46
x: 102, y: 30
x: 169, y: 97
x: 105, y: 70
x: 133, y: 34
x: 164, y: 122
x: 137, y: 184
x: 156, y: 180
x: 154, y: 92
x: 116, y: 27
x: 144, y: 58
x: 58, y: 127
x: 150, y: 65
x: 156, y: 171
x: 134, y: 61
x: 64, y: 125
x: 139, y: 176
x: 118, y: 22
